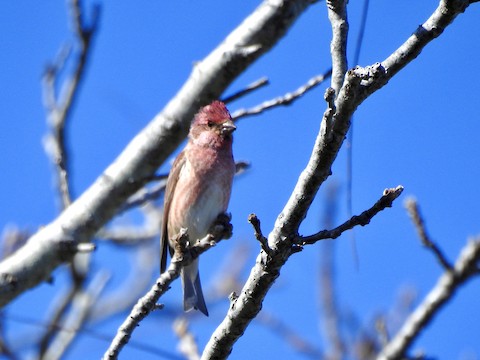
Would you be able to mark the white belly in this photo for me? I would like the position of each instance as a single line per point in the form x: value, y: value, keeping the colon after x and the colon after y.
x: 205, y: 211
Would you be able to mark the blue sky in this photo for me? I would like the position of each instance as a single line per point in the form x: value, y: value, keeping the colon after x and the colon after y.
x: 421, y: 131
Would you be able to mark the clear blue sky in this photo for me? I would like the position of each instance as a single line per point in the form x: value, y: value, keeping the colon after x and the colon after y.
x: 420, y: 131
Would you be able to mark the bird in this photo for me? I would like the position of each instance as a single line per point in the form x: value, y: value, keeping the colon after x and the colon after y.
x: 198, y: 191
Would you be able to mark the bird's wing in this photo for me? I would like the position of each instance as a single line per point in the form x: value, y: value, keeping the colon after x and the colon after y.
x: 169, y: 191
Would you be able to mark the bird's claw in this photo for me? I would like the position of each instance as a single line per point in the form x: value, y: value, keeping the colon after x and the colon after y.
x: 222, y: 228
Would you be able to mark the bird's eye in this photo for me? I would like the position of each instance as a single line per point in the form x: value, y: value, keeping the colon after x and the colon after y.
x: 210, y: 124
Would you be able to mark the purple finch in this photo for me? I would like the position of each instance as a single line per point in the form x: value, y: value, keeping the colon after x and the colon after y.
x: 198, y: 191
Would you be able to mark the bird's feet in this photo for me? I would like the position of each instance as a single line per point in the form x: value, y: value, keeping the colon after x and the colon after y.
x: 222, y: 228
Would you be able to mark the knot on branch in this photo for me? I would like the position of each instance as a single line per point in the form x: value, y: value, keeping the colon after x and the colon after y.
x: 368, y: 75
x: 10, y: 280
x: 329, y: 97
x: 68, y: 247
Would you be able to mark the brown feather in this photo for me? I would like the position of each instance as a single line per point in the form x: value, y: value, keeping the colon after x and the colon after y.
x: 169, y: 191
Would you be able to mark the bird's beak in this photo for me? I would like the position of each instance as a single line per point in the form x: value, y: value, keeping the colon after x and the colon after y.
x: 228, y: 127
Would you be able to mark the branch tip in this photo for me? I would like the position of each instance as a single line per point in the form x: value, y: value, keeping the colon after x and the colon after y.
x: 389, y: 195
x: 255, y: 221
x: 250, y: 88
x: 414, y: 211
x: 284, y: 100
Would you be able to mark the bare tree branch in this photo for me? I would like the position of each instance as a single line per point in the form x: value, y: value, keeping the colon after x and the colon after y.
x: 337, y: 13
x: 255, y: 221
x: 59, y: 109
x: 328, y: 297
x: 388, y: 197
x: 182, y: 257
x: 289, y: 335
x: 58, y: 113
x: 414, y: 212
x: 187, y: 345
x: 56, y: 242
x: 359, y: 83
x: 144, y: 265
x: 55, y: 318
x: 154, y: 192
x: 252, y: 87
x: 465, y: 268
x: 81, y: 306
x: 284, y: 100
x: 145, y: 194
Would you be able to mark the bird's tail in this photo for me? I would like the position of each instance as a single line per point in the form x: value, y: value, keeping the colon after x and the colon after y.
x: 192, y: 289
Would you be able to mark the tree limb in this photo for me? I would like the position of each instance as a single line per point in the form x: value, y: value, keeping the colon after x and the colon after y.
x: 55, y: 243
x: 252, y: 87
x: 465, y: 267
x: 388, y: 197
x: 337, y: 13
x: 183, y: 256
x: 414, y: 212
x: 187, y: 344
x: 59, y: 109
x: 81, y: 307
x: 359, y: 83
x: 284, y: 100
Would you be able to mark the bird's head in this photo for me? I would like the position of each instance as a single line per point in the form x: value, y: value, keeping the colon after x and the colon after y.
x: 215, y: 120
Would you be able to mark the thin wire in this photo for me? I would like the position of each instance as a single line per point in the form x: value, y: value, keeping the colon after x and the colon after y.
x: 356, y: 58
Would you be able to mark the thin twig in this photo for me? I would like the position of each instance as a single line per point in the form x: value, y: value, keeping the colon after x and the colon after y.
x: 228, y: 276
x: 187, y: 345
x: 382, y: 330
x: 388, y: 197
x: 289, y: 335
x: 258, y: 33
x: 252, y: 87
x: 465, y: 268
x: 81, y: 306
x: 284, y: 100
x: 144, y: 195
x: 128, y: 235
x: 135, y: 235
x: 55, y: 319
x: 143, y: 266
x: 358, y: 85
x: 58, y: 112
x: 59, y: 109
x: 183, y: 256
x: 337, y: 14
x: 327, y: 119
x: 11, y: 239
x: 255, y: 221
x: 414, y: 212
x: 327, y: 290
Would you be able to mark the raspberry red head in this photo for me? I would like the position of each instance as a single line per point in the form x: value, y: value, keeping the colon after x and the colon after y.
x: 216, y: 113
x: 213, y: 123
